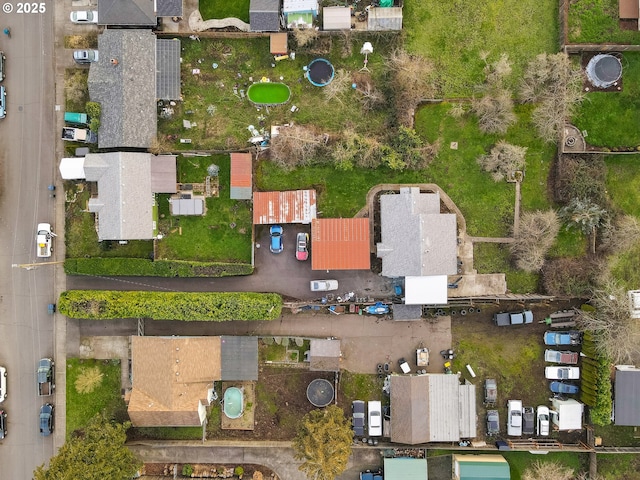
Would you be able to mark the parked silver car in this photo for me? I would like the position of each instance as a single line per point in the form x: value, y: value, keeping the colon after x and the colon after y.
x: 85, y: 56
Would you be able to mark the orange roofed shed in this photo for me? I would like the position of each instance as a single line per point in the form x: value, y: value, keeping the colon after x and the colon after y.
x: 340, y: 244
x: 241, y: 176
x: 278, y: 43
x: 294, y: 206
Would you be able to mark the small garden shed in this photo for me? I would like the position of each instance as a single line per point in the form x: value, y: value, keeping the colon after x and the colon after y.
x: 299, y: 13
x: 241, y: 176
x: 472, y: 467
x: 384, y: 18
x: 264, y: 15
x: 405, y: 468
x: 336, y: 18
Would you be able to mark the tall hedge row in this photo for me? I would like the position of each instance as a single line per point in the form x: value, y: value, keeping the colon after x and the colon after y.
x: 144, y: 267
x: 188, y: 306
x: 595, y: 388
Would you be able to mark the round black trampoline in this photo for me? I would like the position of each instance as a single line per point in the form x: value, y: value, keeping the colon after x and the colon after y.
x: 320, y: 72
x: 604, y: 70
x: 320, y: 392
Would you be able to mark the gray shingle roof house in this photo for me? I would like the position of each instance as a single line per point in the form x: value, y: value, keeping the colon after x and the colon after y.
x: 626, y: 395
x: 124, y: 83
x: 124, y: 204
x: 264, y: 15
x: 169, y: 8
x: 417, y: 240
x: 172, y: 377
x: 431, y: 408
x: 127, y: 12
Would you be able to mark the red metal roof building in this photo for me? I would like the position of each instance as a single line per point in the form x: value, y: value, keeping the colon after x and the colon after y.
x: 295, y: 206
x: 241, y: 176
x: 340, y: 244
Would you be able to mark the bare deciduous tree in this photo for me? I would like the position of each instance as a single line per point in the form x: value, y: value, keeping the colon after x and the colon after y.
x: 457, y: 110
x: 617, y: 335
x: 494, y: 111
x: 354, y: 149
x: 340, y: 85
x: 555, y: 85
x: 536, y: 235
x: 305, y: 36
x: 547, y: 471
x: 494, y: 108
x: 621, y: 235
x: 412, y: 82
x: 296, y: 145
x: 503, y: 160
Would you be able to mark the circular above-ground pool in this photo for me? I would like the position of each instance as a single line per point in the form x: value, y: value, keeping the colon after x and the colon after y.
x: 604, y: 70
x: 320, y: 392
x: 268, y: 93
x: 233, y: 402
x: 320, y: 72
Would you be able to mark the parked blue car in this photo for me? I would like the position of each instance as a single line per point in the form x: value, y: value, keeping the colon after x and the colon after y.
x: 378, y: 308
x: 564, y: 387
x: 276, y: 239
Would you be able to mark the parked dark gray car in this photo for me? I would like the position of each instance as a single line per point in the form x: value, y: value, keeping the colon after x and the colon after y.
x: 358, y: 416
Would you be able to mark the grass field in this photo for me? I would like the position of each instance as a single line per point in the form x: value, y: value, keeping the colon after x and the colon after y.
x: 596, y: 21
x: 224, y: 8
x: 454, y: 33
x: 611, y: 119
x: 106, y: 396
x: 223, y: 234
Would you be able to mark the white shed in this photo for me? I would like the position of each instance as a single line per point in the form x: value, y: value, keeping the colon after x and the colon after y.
x: 336, y: 18
x: 566, y: 414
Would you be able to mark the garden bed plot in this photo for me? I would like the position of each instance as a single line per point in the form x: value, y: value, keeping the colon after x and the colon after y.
x: 280, y: 404
x: 152, y: 471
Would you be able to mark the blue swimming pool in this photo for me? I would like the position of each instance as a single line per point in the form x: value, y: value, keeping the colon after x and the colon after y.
x: 233, y: 402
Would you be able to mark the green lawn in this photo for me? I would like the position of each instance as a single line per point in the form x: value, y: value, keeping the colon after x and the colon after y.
x: 596, y: 21
x: 223, y: 234
x: 224, y: 8
x: 105, y: 397
x: 611, y: 119
x: 623, y: 186
x: 454, y: 33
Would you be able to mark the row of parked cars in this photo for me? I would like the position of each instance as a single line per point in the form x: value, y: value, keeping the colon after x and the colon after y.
x: 521, y: 421
x: 46, y: 385
x: 362, y: 422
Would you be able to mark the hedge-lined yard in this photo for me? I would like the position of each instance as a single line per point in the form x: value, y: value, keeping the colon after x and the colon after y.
x: 143, y: 267
x: 188, y: 306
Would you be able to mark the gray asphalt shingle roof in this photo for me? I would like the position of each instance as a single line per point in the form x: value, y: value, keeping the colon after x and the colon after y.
x: 169, y: 8
x: 124, y: 83
x: 416, y: 239
x: 264, y: 15
x: 126, y: 12
x: 124, y: 205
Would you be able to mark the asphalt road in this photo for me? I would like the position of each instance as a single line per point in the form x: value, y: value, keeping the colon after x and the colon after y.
x: 26, y: 168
